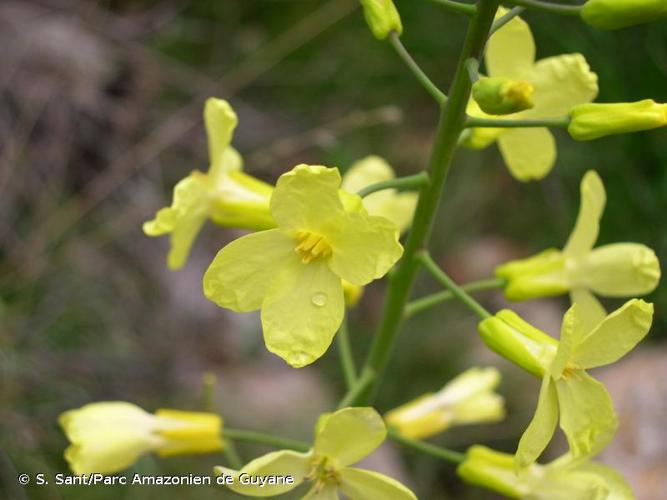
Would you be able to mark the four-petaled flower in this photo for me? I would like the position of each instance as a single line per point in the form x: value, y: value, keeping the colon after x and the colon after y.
x: 108, y: 437
x: 563, y: 478
x: 341, y: 439
x: 587, y: 415
x: 559, y: 82
x: 293, y: 273
x: 615, y: 270
x: 224, y: 194
x: 467, y: 399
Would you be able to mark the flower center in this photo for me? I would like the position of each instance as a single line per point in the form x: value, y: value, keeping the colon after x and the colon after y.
x: 311, y: 246
x: 323, y: 473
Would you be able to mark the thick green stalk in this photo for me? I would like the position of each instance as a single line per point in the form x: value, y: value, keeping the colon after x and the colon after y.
x: 346, y: 358
x: 450, y: 126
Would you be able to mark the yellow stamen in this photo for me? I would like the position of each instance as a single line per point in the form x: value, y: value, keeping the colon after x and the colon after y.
x: 311, y: 246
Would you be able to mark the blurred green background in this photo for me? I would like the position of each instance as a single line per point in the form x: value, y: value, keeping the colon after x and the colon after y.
x: 100, y: 107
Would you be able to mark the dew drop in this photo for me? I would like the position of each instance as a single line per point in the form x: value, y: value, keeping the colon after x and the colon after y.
x: 319, y: 299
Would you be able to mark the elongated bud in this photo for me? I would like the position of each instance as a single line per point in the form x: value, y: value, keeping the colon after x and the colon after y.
x: 492, y: 470
x: 467, y: 399
x: 542, y: 275
x: 502, y: 96
x: 615, y: 14
x: 382, y: 17
x: 518, y: 341
x: 591, y: 121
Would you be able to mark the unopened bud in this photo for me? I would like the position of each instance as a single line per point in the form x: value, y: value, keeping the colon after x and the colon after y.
x: 502, y: 96
x: 591, y: 121
x: 382, y: 17
x: 615, y: 14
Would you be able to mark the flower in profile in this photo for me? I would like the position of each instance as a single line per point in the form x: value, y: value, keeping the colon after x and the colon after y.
x: 224, y: 194
x: 467, y: 399
x: 293, y: 273
x: 382, y: 17
x: 563, y: 478
x: 569, y: 395
x: 614, y: 270
x: 559, y: 84
x: 616, y: 14
x: 594, y: 120
x: 341, y: 439
x: 108, y: 437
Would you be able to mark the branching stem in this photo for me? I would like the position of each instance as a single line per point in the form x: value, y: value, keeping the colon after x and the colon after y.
x: 451, y: 456
x: 553, y: 8
x: 424, y: 303
x: 461, y: 8
x: 407, y: 183
x: 264, y: 438
x: 500, y: 123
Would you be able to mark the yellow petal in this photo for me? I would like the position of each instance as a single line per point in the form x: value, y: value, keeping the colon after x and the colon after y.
x: 306, y: 198
x: 220, y: 121
x: 108, y: 437
x: 510, y: 52
x: 328, y: 492
x: 570, y: 336
x: 591, y: 311
x: 302, y: 310
x: 241, y: 273
x: 369, y: 170
x: 615, y: 336
x: 587, y: 227
x: 541, y: 428
x: 618, y: 487
x: 183, y: 219
x: 361, y: 484
x: 529, y: 153
x: 279, y: 463
x: 587, y: 415
x: 619, y: 270
x: 364, y: 248
x: 561, y: 83
x: 348, y: 435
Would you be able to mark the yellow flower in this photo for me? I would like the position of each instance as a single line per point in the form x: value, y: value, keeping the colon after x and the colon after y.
x: 563, y: 478
x: 615, y: 14
x: 569, y: 395
x: 293, y: 273
x: 225, y: 194
x: 341, y: 439
x: 108, y: 437
x: 467, y: 399
x: 593, y: 120
x: 615, y: 270
x: 382, y: 17
x: 560, y: 83
x: 502, y: 96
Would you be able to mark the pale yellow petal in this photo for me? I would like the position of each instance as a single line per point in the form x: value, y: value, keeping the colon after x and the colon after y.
x: 510, y: 52
x: 302, y: 311
x: 360, y: 484
x: 591, y: 311
x: 348, y: 435
x: 587, y: 227
x: 220, y: 121
x: 529, y: 153
x: 561, y: 83
x: 241, y: 273
x: 541, y: 428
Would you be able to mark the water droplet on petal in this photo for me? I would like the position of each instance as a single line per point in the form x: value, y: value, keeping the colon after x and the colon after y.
x: 319, y: 299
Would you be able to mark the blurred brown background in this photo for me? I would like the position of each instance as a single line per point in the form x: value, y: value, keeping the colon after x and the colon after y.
x: 100, y: 115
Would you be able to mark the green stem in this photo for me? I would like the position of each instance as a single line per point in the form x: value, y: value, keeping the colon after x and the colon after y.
x: 232, y: 455
x: 263, y: 438
x: 455, y: 289
x: 407, y: 183
x: 451, y: 456
x: 422, y: 77
x: 461, y: 8
x: 499, y: 123
x: 450, y: 126
x: 359, y: 386
x: 346, y: 358
x: 419, y: 305
x: 472, y: 65
x: 502, y: 21
x: 553, y: 8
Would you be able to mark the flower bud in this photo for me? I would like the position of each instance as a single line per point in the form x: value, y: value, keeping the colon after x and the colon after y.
x: 591, y: 121
x: 503, y: 96
x: 467, y: 399
x: 509, y: 335
x: 382, y: 17
x: 542, y: 275
x: 615, y: 14
x: 492, y: 470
